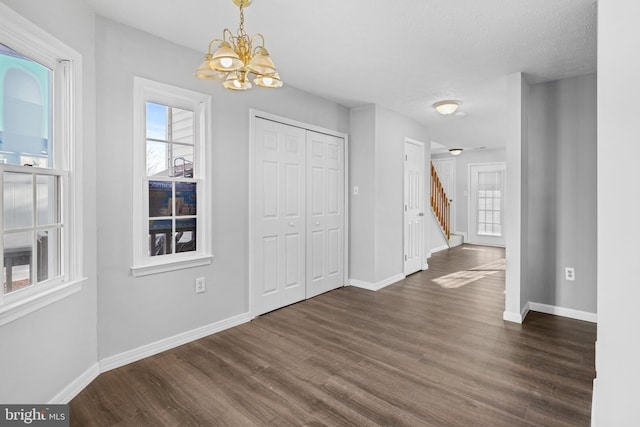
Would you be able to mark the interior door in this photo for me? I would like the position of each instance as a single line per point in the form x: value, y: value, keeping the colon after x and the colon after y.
x: 486, y: 204
x: 278, y: 235
x: 414, y: 203
x: 325, y: 213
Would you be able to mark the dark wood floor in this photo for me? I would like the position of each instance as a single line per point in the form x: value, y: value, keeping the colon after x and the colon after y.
x: 412, y: 354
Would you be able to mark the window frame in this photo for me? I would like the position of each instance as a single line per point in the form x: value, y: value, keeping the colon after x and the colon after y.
x: 152, y: 91
x: 23, y: 36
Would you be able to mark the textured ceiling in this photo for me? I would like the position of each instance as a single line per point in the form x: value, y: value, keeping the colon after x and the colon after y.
x: 402, y: 55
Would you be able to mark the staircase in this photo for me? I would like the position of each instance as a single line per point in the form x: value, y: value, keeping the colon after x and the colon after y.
x: 441, y: 207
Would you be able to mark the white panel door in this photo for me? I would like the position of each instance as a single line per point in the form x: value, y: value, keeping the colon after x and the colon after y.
x: 325, y: 213
x: 414, y: 202
x: 278, y: 237
x: 486, y: 204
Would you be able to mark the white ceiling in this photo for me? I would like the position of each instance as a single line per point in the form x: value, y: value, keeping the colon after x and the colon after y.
x: 402, y: 55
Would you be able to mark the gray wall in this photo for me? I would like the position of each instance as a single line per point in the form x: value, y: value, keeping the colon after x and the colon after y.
x: 377, y: 168
x: 362, y: 207
x: 138, y: 311
x: 562, y: 193
x: 47, y: 350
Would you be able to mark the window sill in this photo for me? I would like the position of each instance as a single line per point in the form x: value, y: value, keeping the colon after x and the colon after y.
x: 170, y: 265
x: 20, y: 308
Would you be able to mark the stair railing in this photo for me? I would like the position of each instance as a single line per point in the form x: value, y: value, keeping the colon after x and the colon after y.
x: 440, y: 203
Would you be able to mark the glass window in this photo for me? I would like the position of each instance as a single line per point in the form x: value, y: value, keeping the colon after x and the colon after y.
x: 172, y: 126
x: 31, y: 189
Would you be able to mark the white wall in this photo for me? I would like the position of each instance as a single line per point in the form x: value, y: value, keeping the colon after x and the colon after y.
x: 562, y: 193
x: 138, y: 311
x: 517, y: 92
x: 618, y: 352
x: 47, y: 350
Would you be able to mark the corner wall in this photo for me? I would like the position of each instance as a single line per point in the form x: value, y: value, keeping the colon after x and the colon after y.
x: 562, y: 193
x: 377, y: 168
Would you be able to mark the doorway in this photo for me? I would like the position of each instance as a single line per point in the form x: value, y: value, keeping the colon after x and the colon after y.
x: 414, y: 206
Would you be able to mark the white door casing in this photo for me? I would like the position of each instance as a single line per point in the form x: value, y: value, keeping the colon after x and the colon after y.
x: 279, y: 209
x: 487, y: 190
x: 414, y: 206
x: 325, y: 212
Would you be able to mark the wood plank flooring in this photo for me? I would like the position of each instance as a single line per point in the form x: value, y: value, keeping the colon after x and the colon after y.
x: 411, y: 354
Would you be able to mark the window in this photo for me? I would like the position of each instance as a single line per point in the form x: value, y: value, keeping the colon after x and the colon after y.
x: 170, y: 199
x: 490, y: 202
x: 39, y: 124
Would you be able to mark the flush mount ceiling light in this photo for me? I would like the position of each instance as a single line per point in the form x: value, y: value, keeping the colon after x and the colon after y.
x: 455, y: 151
x: 446, y: 107
x: 236, y: 59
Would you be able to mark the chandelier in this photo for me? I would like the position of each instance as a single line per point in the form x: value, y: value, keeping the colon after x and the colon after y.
x: 236, y: 59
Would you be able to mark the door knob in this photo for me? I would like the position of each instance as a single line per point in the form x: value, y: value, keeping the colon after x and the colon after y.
x: 421, y: 214
x: 291, y: 224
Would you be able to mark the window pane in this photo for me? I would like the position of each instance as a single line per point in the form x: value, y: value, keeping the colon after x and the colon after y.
x: 160, y: 198
x: 160, y: 237
x: 156, y: 121
x: 185, y: 198
x: 182, y: 160
x: 18, y: 200
x: 18, y: 265
x: 181, y: 126
x: 157, y: 158
x: 25, y: 110
x: 47, y: 188
x: 185, y: 235
x: 48, y: 254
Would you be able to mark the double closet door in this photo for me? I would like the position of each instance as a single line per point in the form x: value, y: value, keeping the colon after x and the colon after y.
x: 298, y: 220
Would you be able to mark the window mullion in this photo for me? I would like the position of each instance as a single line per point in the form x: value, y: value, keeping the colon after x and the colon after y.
x: 34, y: 237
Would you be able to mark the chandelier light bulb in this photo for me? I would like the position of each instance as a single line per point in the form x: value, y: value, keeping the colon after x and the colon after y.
x: 226, y: 62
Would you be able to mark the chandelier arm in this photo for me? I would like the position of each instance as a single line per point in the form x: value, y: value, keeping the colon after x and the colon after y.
x: 253, y: 37
x: 212, y: 42
x: 224, y: 34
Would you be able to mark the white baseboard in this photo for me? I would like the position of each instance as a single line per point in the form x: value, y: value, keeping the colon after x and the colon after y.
x: 594, y: 402
x: 441, y: 248
x: 376, y: 286
x: 147, y: 350
x: 514, y: 317
x: 564, y: 312
x: 72, y: 390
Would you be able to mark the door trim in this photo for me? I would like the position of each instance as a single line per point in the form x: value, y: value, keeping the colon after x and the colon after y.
x: 423, y: 263
x: 258, y: 114
x: 503, y: 165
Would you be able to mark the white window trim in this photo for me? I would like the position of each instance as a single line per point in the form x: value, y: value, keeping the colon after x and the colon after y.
x: 148, y: 90
x: 30, y: 40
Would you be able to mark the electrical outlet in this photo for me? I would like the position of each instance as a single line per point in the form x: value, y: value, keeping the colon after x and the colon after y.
x: 355, y: 190
x: 569, y: 273
x: 200, y: 285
